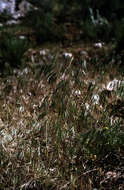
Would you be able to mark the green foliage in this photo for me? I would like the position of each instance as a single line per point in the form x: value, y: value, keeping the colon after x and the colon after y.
x: 89, y: 31
x: 106, y: 7
x: 93, y: 15
x: 101, y: 141
x: 4, y: 17
x: 96, y: 28
x: 12, y: 50
x: 42, y: 21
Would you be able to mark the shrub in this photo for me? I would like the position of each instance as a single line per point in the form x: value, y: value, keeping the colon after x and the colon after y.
x: 41, y: 22
x: 4, y: 17
x: 12, y: 50
x: 96, y: 27
x: 101, y: 141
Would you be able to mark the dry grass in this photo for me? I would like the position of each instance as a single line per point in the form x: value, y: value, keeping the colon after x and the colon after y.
x: 43, y: 117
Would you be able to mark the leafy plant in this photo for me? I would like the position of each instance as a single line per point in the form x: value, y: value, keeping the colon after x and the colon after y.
x: 89, y: 31
x: 42, y: 21
x: 12, y: 49
x: 109, y: 137
x: 96, y: 27
x: 4, y: 16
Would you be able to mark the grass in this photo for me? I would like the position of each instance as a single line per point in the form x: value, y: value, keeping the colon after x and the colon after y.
x: 49, y: 138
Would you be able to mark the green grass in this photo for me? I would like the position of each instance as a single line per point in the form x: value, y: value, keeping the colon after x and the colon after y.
x: 47, y: 139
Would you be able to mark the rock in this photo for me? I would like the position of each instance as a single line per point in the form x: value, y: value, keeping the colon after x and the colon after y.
x: 10, y: 22
x: 24, y: 7
x: 9, y: 7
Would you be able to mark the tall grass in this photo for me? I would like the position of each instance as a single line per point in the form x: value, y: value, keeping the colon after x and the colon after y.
x: 49, y: 138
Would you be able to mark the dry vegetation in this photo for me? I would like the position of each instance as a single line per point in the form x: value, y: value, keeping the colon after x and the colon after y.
x: 53, y: 134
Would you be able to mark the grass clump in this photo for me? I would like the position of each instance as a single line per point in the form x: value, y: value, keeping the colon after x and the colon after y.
x: 53, y: 136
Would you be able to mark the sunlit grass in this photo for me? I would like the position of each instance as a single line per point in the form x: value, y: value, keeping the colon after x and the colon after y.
x: 53, y: 133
